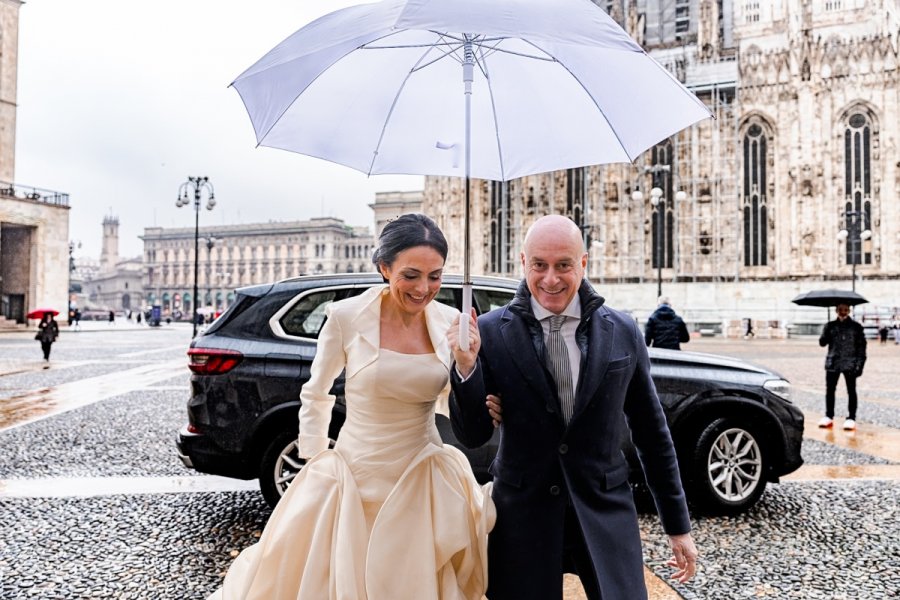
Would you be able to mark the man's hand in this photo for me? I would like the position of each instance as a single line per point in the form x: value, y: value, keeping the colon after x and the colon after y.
x: 465, y: 361
x: 495, y: 408
x: 684, y: 557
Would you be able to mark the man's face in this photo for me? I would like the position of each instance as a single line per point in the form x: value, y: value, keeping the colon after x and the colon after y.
x: 843, y: 311
x: 554, y: 261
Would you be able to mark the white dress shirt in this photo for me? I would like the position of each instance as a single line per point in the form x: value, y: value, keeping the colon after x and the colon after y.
x: 573, y: 317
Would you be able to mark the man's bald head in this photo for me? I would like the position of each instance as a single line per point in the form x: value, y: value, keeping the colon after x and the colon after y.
x: 556, y: 226
x: 554, y: 260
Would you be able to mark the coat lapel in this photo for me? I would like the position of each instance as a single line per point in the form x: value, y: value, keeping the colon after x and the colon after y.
x: 521, y: 349
x: 593, y: 367
x: 362, y: 349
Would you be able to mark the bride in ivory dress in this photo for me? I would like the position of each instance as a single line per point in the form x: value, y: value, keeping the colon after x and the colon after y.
x: 390, y: 513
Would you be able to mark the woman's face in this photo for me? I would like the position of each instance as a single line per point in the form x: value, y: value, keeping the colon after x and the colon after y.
x: 414, y: 277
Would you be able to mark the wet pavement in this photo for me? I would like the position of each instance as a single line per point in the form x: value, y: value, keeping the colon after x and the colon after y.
x: 95, y: 504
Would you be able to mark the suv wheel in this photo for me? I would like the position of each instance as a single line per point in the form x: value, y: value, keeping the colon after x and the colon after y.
x: 279, y: 466
x: 728, y: 464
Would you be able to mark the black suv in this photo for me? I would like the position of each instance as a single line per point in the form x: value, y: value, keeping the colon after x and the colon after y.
x: 733, y: 424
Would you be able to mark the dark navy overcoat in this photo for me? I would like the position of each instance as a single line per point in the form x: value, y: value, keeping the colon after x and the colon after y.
x: 543, y: 465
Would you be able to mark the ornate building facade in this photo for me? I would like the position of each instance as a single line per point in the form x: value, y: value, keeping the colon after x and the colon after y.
x: 390, y: 205
x: 803, y: 147
x: 116, y: 283
x: 34, y: 222
x: 233, y: 256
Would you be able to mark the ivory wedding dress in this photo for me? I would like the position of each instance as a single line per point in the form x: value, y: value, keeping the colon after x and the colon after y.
x: 389, y: 514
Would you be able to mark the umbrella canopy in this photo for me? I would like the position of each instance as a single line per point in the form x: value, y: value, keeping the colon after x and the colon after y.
x: 829, y: 298
x: 38, y: 313
x: 379, y: 88
x: 494, y: 90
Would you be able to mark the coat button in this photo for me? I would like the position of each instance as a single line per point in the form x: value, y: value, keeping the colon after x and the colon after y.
x: 563, y: 448
x: 554, y: 490
x: 548, y: 408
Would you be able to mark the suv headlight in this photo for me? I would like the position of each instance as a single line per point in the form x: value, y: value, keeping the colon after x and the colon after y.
x: 779, y: 387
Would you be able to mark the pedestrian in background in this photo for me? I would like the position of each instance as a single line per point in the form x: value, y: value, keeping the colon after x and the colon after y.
x: 665, y: 329
x: 112, y: 318
x: 896, y: 327
x: 883, y: 331
x: 48, y: 331
x: 749, y: 333
x: 846, y: 356
x: 77, y: 319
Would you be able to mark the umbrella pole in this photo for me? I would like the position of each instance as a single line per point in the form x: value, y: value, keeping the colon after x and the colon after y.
x: 468, y: 76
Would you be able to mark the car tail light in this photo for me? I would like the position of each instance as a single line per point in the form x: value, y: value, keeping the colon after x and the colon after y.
x: 207, y: 361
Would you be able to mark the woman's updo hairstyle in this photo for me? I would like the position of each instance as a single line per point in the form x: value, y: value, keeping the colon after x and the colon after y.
x: 405, y: 232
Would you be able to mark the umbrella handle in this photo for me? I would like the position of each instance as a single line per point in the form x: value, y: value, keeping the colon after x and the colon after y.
x: 464, y: 318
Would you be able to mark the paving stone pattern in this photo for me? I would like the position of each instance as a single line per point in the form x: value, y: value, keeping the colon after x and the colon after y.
x: 805, y: 539
x: 128, y: 435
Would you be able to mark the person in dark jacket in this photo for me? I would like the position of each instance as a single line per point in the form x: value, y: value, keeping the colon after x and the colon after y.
x: 665, y: 329
x: 574, y: 379
x: 48, y: 331
x: 846, y: 356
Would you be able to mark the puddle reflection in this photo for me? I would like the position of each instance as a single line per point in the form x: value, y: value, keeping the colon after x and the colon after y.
x: 45, y: 402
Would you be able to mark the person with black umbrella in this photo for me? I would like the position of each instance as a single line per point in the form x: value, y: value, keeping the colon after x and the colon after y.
x: 846, y: 356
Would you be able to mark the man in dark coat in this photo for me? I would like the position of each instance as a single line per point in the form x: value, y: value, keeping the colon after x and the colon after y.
x: 560, y: 477
x: 665, y: 329
x: 846, y: 356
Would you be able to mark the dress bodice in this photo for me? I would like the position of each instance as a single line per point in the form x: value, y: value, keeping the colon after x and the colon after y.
x: 397, y: 391
x: 390, y: 417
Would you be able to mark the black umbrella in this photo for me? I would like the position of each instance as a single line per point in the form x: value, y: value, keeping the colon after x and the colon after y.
x: 829, y: 298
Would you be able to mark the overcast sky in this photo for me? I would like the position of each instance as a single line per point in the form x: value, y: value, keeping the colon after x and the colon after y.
x: 119, y: 101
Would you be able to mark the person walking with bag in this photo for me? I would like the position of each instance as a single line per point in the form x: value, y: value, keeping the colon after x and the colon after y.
x: 48, y: 331
x: 846, y: 356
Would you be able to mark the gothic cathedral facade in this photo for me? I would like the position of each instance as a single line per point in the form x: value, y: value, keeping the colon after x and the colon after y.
x: 797, y: 178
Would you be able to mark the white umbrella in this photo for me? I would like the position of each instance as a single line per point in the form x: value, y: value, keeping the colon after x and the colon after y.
x: 489, y: 89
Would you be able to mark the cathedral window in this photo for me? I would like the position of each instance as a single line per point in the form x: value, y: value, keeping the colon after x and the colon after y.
x: 662, y: 217
x: 751, y: 11
x: 755, y: 149
x: 501, y: 250
x: 682, y: 16
x: 858, y: 185
x: 575, y: 194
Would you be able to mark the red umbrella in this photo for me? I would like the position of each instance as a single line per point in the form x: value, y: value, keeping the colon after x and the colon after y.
x: 38, y: 313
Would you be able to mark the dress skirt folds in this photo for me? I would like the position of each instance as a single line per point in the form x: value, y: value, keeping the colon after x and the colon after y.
x: 389, y: 514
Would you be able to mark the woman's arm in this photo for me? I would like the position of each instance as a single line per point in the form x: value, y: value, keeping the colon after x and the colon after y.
x: 315, y: 399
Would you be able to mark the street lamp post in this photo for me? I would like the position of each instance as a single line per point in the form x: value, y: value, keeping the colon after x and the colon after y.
x: 196, y: 185
x: 210, y: 243
x: 655, y: 196
x: 659, y: 206
x: 854, y: 235
x: 69, y: 307
x: 656, y: 193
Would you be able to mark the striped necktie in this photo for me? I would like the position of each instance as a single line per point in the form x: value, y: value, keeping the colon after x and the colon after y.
x: 560, y: 367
